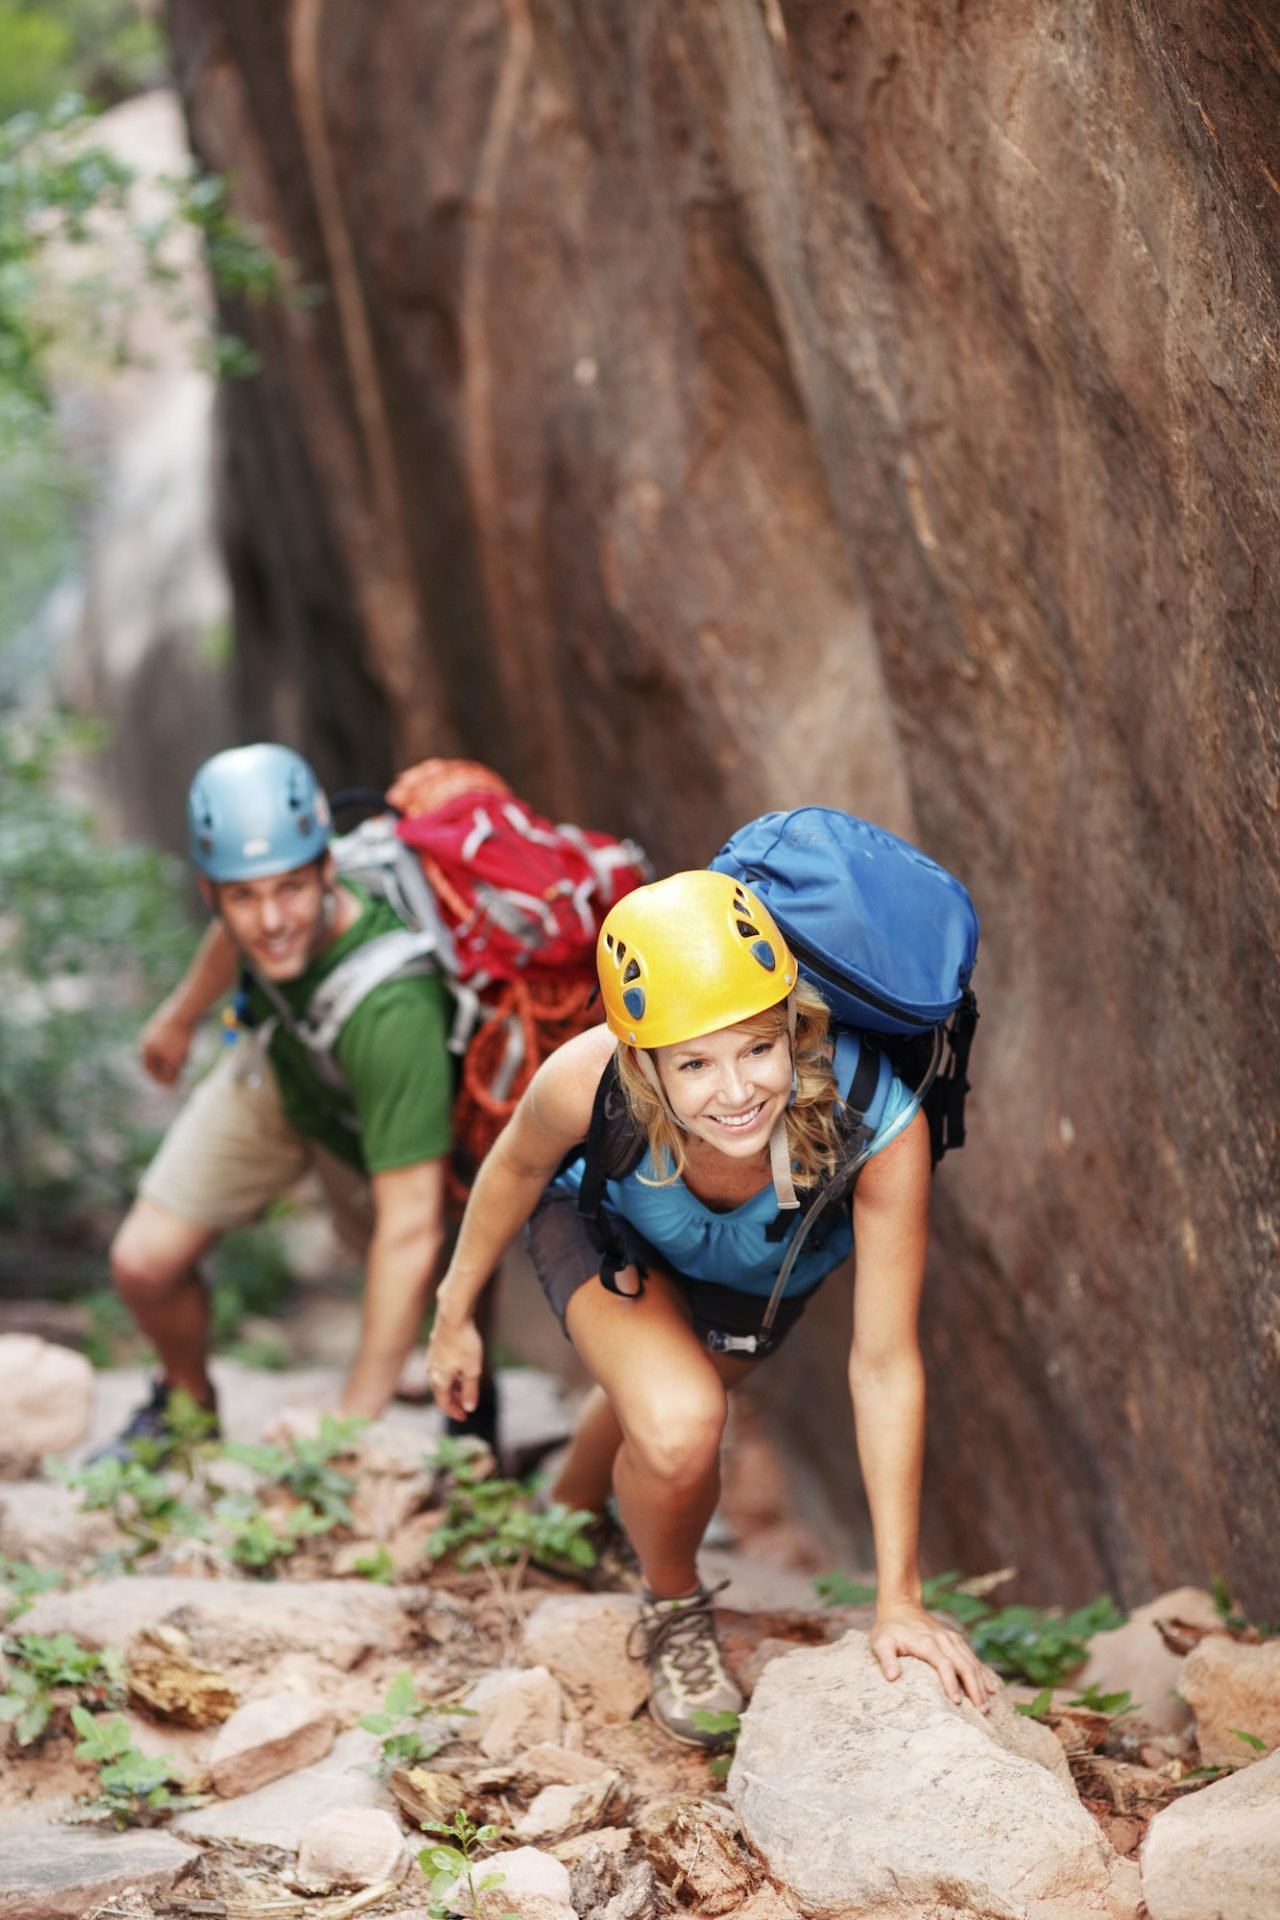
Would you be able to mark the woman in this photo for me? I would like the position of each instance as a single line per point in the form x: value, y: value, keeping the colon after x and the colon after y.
x: 724, y: 1062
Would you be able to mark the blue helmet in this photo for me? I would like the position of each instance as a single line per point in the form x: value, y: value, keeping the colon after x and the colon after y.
x: 255, y: 811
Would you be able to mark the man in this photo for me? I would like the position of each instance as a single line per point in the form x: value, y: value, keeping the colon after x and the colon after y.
x: 372, y: 1118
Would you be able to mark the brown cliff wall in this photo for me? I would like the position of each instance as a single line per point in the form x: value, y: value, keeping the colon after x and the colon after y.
x: 721, y: 405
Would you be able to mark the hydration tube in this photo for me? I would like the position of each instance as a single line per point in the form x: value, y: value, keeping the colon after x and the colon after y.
x: 846, y: 1176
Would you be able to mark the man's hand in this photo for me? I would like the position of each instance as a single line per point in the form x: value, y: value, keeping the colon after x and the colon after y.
x: 165, y: 1044
x: 455, y: 1360
x: 911, y: 1630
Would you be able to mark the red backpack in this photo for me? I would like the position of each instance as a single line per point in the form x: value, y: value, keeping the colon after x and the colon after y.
x: 504, y: 905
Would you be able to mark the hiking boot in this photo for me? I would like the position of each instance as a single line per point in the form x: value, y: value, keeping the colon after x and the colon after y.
x: 151, y: 1433
x: 617, y: 1564
x: 677, y: 1641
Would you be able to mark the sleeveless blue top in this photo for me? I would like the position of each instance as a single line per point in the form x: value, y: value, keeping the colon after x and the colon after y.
x: 729, y: 1249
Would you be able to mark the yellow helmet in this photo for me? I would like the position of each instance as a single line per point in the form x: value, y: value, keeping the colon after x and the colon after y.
x: 689, y: 955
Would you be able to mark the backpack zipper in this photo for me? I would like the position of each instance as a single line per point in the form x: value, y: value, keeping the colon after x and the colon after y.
x: 825, y: 974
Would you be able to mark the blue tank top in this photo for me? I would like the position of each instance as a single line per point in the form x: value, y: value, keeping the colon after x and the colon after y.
x: 730, y: 1249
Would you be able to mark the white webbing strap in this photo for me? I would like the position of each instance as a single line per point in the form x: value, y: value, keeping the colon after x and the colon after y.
x: 396, y: 955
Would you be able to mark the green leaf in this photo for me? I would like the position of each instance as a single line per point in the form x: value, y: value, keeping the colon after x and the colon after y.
x: 838, y: 1590
x: 1037, y: 1708
x: 1095, y: 1701
x: 1250, y: 1740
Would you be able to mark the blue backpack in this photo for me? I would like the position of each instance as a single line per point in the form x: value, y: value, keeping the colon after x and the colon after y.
x: 886, y: 935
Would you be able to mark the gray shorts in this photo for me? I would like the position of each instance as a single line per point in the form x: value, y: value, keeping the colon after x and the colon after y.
x: 564, y: 1259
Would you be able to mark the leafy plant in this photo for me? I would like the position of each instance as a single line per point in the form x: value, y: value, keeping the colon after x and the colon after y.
x: 492, y: 1522
x: 378, y: 1565
x: 38, y: 1666
x: 457, y: 1860
x: 66, y: 1028
x: 1114, y: 1705
x: 256, y: 1540
x: 24, y: 1582
x: 1040, y: 1644
x: 398, y: 1724
x: 142, y: 1502
x: 1036, y: 1644
x: 134, y: 1788
x: 727, y: 1722
x: 305, y: 1467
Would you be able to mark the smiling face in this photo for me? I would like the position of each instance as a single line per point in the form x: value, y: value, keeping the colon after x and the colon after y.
x: 280, y: 923
x: 729, y: 1088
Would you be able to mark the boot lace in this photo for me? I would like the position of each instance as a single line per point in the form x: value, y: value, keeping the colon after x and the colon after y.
x: 687, y: 1633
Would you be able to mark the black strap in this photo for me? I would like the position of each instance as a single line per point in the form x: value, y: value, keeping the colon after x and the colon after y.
x: 944, y: 1105
x: 607, y: 1155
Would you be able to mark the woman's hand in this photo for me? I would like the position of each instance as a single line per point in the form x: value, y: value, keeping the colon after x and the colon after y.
x: 911, y: 1630
x: 455, y: 1359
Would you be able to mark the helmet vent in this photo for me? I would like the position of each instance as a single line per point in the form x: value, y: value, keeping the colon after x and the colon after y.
x: 633, y: 971
x: 747, y: 931
x: 633, y: 1001
x: 763, y: 952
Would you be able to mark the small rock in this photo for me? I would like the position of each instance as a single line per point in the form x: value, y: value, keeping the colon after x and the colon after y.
x: 559, y: 1812
x: 162, y: 1677
x: 514, y: 1707
x: 1135, y: 1659
x: 41, y: 1521
x: 582, y: 1639
x: 427, y: 1798
x: 1233, y: 1688
x: 353, y: 1847
x: 533, y: 1884
x: 1217, y: 1851
x: 277, y: 1815
x: 47, y: 1395
x: 606, y: 1887
x: 549, y: 1766
x: 695, y: 1845
x: 268, y: 1738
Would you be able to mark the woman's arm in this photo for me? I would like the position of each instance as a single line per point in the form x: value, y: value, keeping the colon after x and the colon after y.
x: 886, y: 1378
x: 553, y: 1115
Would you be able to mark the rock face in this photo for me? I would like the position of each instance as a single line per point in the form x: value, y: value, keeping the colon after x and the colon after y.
x: 713, y: 407
x: 876, y: 1799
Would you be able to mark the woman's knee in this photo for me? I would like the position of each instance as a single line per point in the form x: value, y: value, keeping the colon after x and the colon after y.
x: 675, y: 1432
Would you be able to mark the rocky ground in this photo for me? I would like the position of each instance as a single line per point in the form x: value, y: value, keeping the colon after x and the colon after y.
x: 507, y: 1700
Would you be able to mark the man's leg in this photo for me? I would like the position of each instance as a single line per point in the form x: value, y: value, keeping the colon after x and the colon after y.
x: 228, y: 1153
x: 155, y: 1260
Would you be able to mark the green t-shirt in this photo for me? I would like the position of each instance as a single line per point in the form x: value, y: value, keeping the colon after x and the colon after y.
x: 393, y: 1052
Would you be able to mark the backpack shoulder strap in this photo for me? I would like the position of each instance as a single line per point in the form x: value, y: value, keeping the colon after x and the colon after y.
x: 398, y: 954
x: 614, y: 1146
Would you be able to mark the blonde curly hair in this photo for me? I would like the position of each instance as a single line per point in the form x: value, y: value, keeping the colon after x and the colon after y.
x: 811, y: 1118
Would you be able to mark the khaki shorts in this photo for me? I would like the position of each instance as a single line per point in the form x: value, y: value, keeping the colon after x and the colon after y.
x: 231, y: 1152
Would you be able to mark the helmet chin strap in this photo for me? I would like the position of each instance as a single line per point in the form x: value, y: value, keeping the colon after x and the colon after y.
x: 779, y: 1145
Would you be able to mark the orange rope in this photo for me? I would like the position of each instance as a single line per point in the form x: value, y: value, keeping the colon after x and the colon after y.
x: 549, y: 1013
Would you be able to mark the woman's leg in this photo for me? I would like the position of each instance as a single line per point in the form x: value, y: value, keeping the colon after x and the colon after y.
x: 656, y: 1425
